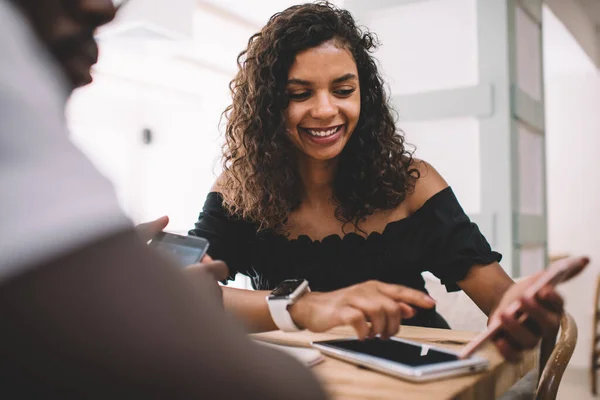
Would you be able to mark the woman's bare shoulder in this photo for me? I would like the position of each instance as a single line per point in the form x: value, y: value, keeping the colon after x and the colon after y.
x: 430, y: 182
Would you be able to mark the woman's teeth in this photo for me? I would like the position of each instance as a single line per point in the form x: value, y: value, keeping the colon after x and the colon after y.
x: 328, y: 132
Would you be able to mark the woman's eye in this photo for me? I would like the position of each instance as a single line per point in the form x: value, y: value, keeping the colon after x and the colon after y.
x: 299, y: 95
x: 344, y: 92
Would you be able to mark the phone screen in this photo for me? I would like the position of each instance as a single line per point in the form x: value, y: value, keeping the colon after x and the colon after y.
x: 393, y: 350
x: 184, y: 255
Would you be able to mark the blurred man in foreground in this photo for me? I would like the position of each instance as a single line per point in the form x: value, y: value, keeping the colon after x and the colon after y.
x: 86, y: 309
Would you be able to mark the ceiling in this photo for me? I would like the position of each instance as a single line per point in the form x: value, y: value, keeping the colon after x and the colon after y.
x: 260, y: 11
x: 592, y: 8
x: 257, y: 12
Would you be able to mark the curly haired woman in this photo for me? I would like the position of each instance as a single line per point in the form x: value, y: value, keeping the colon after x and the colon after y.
x: 318, y: 185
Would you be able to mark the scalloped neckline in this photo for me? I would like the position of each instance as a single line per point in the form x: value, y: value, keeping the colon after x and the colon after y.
x: 337, y: 237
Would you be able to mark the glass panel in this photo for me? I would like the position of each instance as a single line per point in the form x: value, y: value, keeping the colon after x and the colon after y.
x: 529, y: 57
x: 531, y: 164
x: 427, y: 45
x: 532, y: 260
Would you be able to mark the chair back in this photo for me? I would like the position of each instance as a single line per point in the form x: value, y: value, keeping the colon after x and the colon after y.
x: 594, y: 362
x: 554, y: 358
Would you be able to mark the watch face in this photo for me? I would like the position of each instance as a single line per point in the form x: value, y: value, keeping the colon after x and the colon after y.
x: 285, y: 288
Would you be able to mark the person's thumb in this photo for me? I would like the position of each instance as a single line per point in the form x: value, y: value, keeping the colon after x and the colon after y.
x: 218, y: 270
x: 147, y: 230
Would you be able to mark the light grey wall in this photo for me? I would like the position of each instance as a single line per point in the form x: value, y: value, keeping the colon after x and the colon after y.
x: 573, y: 124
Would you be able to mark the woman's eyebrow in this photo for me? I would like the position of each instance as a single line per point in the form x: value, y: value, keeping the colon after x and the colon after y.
x: 343, y: 78
x: 298, y: 82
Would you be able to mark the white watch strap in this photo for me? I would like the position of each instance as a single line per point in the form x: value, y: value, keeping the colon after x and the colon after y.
x: 281, y: 316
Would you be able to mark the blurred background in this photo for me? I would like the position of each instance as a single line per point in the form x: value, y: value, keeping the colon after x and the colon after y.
x: 501, y: 96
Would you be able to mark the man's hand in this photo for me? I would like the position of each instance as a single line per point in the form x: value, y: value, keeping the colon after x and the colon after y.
x: 206, y: 270
x: 217, y: 270
x: 147, y: 230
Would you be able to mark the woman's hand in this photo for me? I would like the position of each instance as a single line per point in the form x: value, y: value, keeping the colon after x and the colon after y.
x: 544, y: 310
x: 383, y: 305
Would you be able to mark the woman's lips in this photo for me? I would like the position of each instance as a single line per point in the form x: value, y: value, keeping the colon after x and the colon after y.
x: 323, y: 140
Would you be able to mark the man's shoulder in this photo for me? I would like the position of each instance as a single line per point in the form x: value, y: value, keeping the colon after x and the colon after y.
x: 27, y: 70
x: 57, y: 201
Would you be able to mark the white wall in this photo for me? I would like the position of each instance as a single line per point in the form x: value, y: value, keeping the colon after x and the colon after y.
x: 573, y: 169
x: 169, y: 74
x: 173, y: 15
x: 172, y: 174
x: 175, y: 85
x: 416, y: 58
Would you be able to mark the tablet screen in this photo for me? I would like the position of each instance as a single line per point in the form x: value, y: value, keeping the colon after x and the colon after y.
x: 393, y: 350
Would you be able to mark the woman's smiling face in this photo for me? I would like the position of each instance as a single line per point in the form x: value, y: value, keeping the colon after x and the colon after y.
x: 324, y: 105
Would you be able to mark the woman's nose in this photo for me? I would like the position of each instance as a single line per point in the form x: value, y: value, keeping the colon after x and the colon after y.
x: 323, y: 108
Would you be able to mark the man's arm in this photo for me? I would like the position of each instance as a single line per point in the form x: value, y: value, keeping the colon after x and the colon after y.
x: 86, y: 311
x: 115, y: 320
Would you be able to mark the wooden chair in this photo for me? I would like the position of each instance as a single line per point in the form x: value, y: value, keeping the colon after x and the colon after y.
x: 554, y: 358
x: 595, y: 361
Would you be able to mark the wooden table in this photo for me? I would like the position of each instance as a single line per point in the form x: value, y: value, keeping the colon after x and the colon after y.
x: 347, y: 381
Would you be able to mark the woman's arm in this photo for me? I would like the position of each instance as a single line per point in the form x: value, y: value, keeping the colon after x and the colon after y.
x: 371, y: 308
x: 250, y: 306
x: 485, y: 285
x: 493, y: 291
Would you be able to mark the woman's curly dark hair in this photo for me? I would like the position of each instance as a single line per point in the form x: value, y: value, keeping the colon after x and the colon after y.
x: 260, y: 182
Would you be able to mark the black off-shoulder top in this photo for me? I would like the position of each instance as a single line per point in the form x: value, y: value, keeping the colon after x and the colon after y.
x: 438, y: 237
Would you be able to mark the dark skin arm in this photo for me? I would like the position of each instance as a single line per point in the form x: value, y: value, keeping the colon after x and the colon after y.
x: 493, y: 290
x: 485, y: 286
x: 113, y: 320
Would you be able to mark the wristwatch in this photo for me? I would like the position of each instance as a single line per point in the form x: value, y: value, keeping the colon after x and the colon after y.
x: 283, y: 296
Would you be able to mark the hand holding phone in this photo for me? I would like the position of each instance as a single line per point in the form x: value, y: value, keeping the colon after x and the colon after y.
x: 147, y: 230
x: 218, y: 270
x: 558, y: 272
x: 184, y: 250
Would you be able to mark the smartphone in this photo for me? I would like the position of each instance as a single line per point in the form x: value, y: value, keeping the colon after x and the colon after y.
x: 557, y: 272
x: 184, y: 250
x: 401, y: 358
